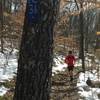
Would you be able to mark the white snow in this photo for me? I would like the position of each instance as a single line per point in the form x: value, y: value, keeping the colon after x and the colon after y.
x: 92, y: 93
x: 59, y: 63
x: 8, y: 66
x: 3, y: 90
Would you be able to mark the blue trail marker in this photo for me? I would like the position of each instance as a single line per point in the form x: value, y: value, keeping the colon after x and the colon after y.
x: 33, y: 11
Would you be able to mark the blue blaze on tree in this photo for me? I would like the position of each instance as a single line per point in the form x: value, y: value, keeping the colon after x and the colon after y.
x: 33, y: 80
x: 33, y: 11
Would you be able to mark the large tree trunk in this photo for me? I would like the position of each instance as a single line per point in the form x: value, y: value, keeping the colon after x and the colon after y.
x: 35, y: 59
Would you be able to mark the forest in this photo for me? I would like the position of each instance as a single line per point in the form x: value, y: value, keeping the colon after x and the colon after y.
x: 36, y: 38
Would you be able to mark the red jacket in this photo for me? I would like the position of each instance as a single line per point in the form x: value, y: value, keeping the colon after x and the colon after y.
x: 70, y: 60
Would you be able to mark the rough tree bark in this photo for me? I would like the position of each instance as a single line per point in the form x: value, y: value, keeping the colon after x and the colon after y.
x: 35, y: 57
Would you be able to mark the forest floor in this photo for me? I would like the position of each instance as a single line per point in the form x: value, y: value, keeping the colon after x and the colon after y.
x: 63, y: 88
x: 78, y: 89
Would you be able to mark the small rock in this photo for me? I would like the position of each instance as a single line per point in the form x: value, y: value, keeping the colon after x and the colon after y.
x: 99, y: 96
x: 86, y: 88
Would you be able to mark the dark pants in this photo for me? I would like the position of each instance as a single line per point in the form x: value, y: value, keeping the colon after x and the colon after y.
x: 70, y: 68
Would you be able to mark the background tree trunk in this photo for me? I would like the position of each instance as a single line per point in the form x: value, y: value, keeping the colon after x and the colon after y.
x: 35, y: 58
x: 81, y: 52
x: 2, y: 23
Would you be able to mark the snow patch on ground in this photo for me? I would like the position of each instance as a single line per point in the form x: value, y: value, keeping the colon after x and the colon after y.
x: 59, y: 64
x: 3, y: 90
x: 8, y: 66
x: 90, y: 93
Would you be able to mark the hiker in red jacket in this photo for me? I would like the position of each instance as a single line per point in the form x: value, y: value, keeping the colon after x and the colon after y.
x: 70, y: 61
